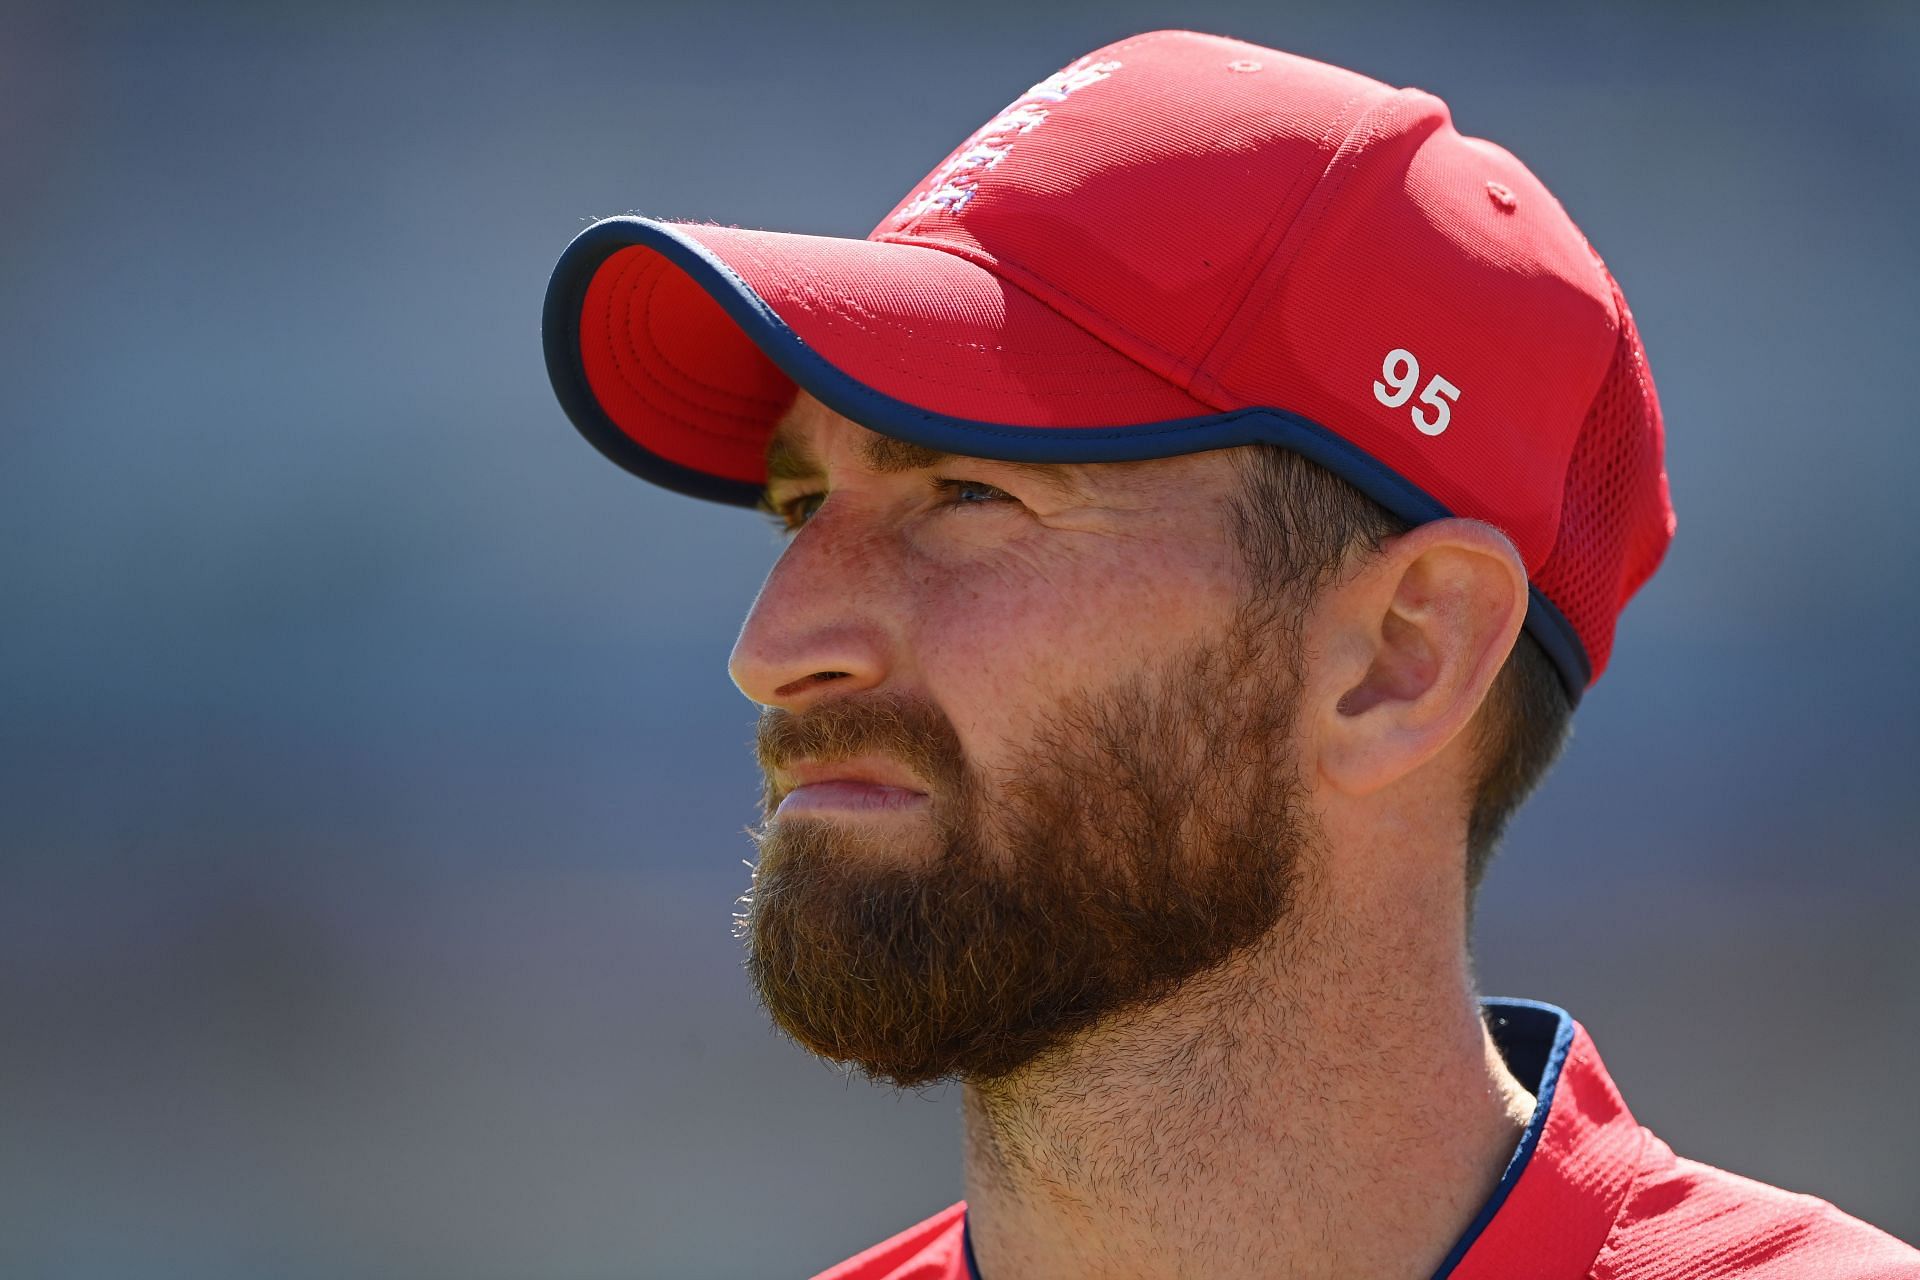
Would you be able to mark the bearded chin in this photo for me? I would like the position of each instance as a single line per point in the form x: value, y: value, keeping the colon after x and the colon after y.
x: 976, y: 962
x: 874, y: 958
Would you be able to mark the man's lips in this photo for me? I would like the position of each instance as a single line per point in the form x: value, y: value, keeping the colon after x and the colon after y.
x: 843, y: 797
x: 847, y: 786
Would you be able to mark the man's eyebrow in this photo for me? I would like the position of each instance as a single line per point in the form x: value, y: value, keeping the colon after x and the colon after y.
x: 789, y: 458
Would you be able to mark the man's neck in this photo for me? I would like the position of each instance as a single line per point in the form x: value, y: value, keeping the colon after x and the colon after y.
x: 1322, y: 1106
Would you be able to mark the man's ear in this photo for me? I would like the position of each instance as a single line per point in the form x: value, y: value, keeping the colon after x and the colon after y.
x: 1409, y: 644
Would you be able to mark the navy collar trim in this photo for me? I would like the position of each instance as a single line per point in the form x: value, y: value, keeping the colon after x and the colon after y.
x: 1534, y: 1038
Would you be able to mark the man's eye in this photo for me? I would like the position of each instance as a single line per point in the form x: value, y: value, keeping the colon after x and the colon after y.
x: 790, y: 513
x: 969, y: 493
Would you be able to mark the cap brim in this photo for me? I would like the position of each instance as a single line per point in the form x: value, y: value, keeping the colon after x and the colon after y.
x: 675, y: 349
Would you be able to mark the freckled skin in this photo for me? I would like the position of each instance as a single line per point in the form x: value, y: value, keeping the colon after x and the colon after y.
x: 994, y: 607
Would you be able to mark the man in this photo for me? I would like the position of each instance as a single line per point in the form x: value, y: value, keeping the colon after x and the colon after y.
x: 1209, y: 491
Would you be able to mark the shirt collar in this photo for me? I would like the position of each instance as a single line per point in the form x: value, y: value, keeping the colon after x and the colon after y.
x: 1568, y: 1176
x: 1570, y: 1173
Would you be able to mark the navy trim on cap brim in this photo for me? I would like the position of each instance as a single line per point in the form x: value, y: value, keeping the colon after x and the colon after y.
x: 560, y: 335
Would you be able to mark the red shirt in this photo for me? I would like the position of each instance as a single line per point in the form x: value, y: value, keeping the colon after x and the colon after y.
x: 1588, y: 1193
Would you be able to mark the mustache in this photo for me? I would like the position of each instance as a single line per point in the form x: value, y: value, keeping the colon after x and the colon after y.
x: 911, y: 730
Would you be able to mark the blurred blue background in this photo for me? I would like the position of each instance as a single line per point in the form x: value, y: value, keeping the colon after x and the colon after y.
x: 371, y: 790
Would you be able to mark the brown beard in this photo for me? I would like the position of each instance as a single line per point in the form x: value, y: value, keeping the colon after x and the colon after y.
x: 1152, y: 830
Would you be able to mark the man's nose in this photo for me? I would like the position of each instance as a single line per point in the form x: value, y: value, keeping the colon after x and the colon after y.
x: 822, y: 624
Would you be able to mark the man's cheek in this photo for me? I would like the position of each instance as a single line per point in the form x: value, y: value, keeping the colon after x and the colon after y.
x: 1012, y: 716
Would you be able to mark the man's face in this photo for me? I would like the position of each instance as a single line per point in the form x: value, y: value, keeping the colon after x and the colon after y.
x: 1026, y: 748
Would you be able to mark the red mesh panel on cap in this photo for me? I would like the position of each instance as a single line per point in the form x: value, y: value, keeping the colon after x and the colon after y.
x: 1617, y: 518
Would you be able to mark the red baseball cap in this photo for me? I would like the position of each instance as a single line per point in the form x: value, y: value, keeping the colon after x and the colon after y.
x: 1178, y: 242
